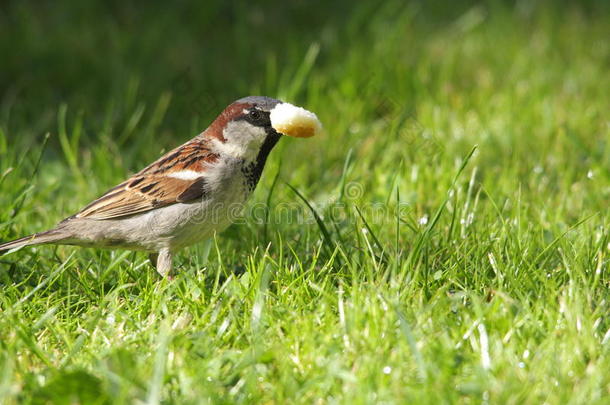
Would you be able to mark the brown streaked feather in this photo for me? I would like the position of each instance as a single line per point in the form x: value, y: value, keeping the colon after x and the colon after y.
x: 193, y: 155
x: 152, y: 187
x: 196, y: 190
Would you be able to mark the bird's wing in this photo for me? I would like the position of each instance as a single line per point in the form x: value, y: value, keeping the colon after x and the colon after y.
x: 177, y: 177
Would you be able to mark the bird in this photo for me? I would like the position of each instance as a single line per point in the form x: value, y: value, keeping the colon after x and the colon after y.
x: 190, y: 193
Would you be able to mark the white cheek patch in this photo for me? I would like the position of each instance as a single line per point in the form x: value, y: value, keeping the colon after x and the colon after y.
x: 294, y: 121
x: 228, y: 148
x: 243, y: 140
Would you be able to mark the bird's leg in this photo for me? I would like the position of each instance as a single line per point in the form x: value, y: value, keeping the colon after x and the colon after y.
x: 162, y: 262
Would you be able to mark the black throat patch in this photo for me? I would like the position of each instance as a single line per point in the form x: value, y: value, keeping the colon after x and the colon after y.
x: 253, y: 171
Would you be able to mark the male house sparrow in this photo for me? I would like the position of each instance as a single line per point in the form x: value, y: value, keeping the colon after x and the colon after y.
x: 190, y: 192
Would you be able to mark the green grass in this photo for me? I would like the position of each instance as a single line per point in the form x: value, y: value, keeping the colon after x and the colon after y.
x: 380, y: 262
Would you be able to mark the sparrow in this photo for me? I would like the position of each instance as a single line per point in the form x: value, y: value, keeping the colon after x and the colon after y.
x: 190, y: 193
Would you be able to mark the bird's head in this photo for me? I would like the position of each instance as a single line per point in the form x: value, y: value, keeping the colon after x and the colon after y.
x: 249, y: 128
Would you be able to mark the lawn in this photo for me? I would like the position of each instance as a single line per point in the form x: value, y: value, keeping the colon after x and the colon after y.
x: 446, y: 240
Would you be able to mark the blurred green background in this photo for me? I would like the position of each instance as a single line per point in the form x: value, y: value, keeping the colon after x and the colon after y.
x: 102, y: 57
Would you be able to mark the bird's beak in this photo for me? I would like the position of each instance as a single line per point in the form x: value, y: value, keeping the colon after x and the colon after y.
x: 291, y: 120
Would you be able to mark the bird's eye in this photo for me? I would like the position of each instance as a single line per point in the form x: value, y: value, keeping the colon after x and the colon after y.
x: 255, y: 115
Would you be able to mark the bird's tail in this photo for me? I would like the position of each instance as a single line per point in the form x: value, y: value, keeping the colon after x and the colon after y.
x: 40, y: 238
